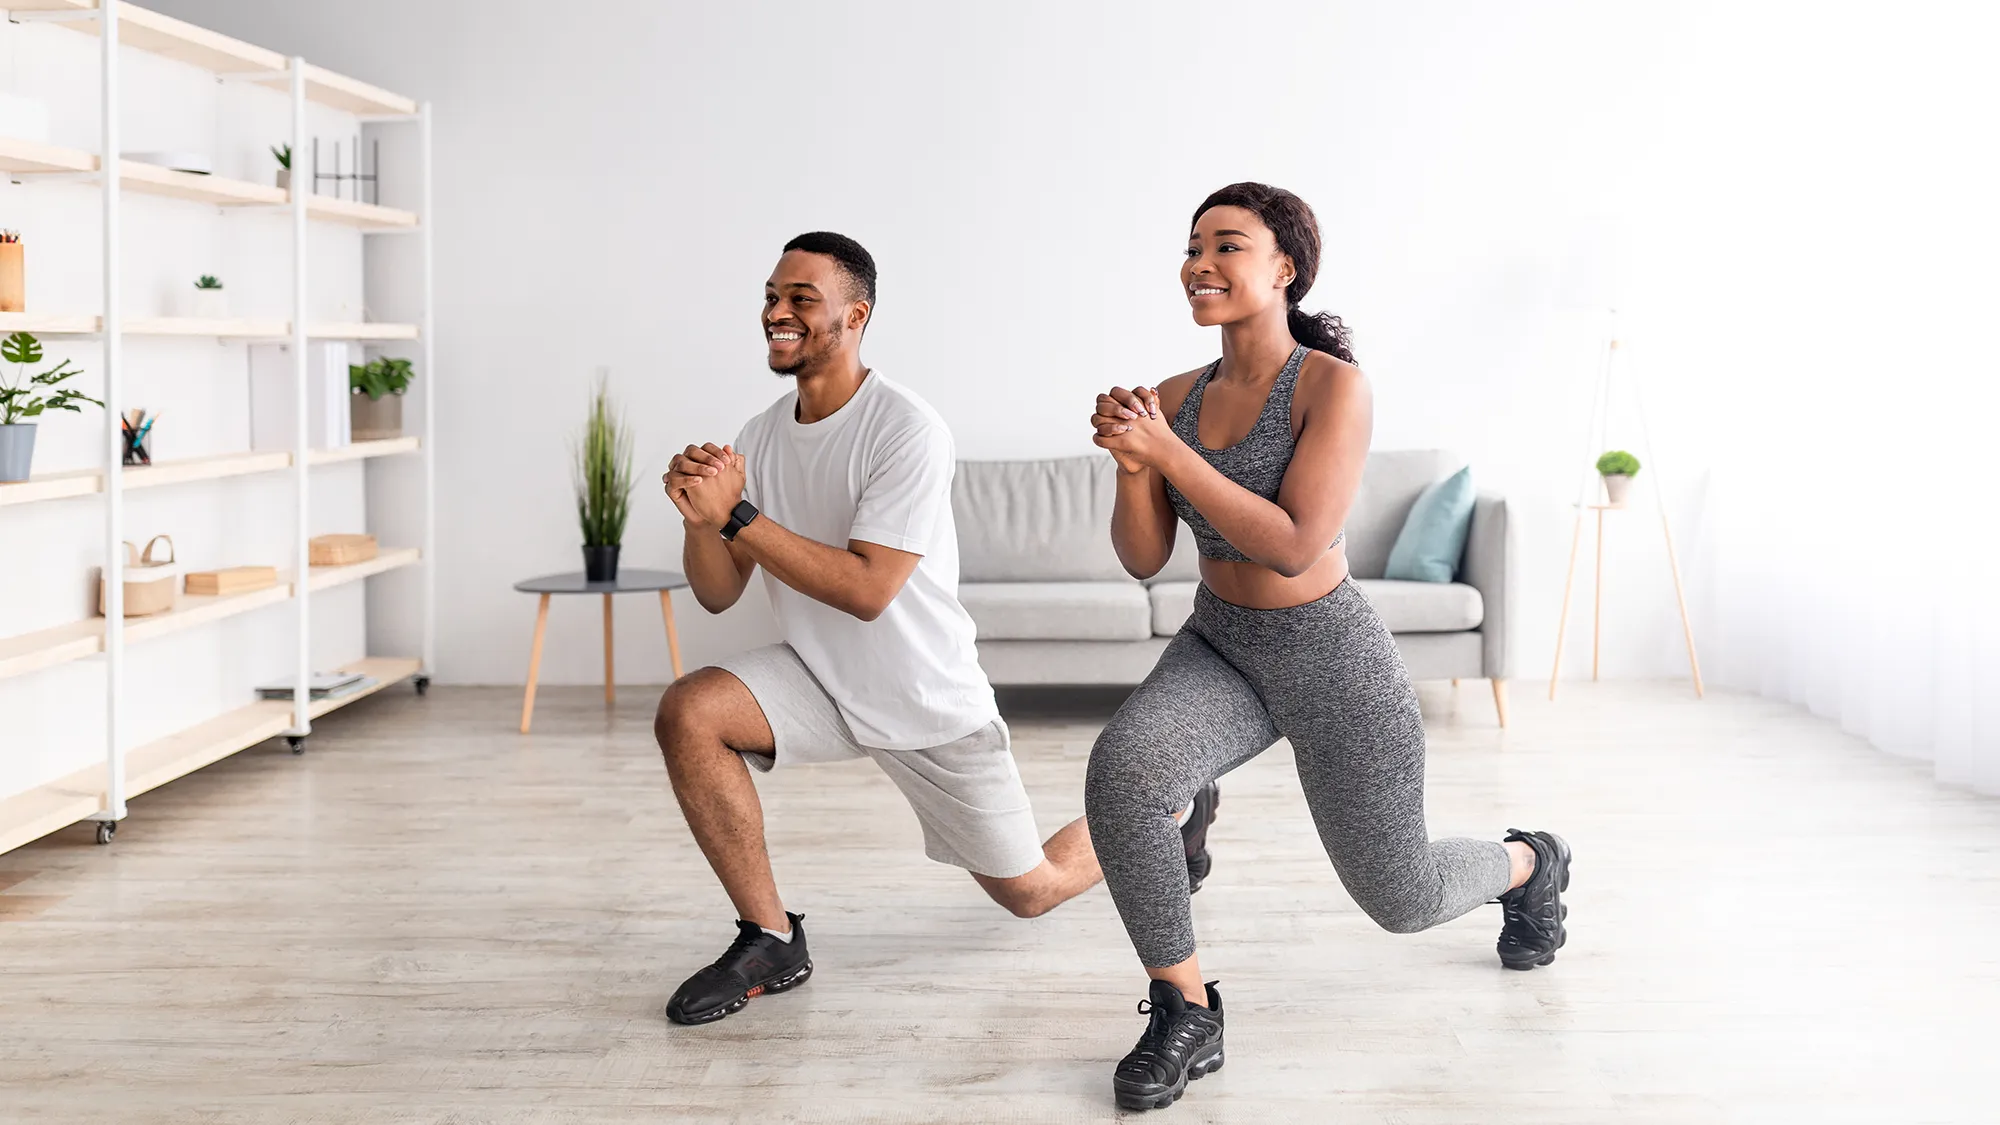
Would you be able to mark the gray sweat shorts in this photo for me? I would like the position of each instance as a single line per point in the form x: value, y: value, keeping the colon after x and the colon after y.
x: 967, y: 794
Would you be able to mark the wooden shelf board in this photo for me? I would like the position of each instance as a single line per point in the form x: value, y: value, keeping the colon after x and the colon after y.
x: 46, y: 648
x: 354, y: 213
x: 388, y: 672
x: 35, y: 813
x: 53, y: 486
x: 150, y: 766
x: 222, y: 191
x: 159, y: 34
x: 233, y: 328
x: 193, y: 469
x: 194, y: 609
x: 388, y: 447
x: 18, y: 155
x: 394, y: 558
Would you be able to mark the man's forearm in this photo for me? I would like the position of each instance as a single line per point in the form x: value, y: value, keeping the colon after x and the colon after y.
x: 833, y: 575
x: 711, y: 569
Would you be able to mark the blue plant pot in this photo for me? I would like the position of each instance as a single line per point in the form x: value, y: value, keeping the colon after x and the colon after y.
x: 17, y: 450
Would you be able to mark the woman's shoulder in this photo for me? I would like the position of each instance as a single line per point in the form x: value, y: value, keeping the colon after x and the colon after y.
x: 1324, y: 377
x: 1174, y: 390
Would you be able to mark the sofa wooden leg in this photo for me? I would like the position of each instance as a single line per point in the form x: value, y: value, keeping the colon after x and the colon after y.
x: 1500, y: 701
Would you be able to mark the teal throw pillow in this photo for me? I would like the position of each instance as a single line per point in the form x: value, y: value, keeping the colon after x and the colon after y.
x: 1433, y: 537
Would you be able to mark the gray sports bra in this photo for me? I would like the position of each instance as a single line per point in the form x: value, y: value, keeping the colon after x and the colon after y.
x: 1258, y: 462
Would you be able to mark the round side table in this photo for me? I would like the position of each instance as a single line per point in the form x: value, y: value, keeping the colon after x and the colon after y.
x: 629, y: 581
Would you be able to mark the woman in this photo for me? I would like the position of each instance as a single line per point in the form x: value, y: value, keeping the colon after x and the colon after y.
x: 1261, y: 452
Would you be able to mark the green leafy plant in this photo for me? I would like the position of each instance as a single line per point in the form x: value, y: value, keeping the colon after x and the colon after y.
x: 1618, y: 463
x: 207, y: 281
x: 380, y: 376
x: 603, y: 471
x: 20, y: 400
x: 284, y: 155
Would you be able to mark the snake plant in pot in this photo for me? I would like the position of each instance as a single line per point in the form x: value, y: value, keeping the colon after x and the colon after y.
x: 602, y: 459
x: 28, y: 396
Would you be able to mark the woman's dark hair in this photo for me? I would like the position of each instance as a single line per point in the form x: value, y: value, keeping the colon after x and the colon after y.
x: 1298, y: 236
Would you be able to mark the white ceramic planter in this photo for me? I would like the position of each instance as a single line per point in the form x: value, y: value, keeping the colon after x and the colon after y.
x: 209, y: 304
x: 1616, y: 485
x: 284, y: 179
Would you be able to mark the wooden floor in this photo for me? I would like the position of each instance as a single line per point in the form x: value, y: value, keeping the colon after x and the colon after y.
x: 430, y: 918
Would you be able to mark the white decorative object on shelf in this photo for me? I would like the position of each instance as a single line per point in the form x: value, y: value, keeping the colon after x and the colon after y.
x: 272, y: 386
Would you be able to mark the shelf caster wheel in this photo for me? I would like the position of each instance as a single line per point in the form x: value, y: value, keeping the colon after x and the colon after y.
x: 423, y: 685
x: 297, y: 742
x: 105, y: 830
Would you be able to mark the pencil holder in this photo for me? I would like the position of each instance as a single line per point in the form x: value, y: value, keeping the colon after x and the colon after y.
x: 13, y: 279
x: 139, y: 447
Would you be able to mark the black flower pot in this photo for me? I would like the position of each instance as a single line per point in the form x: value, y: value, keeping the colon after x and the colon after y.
x: 600, y: 564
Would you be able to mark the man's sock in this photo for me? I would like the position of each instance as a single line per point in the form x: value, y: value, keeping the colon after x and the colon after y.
x: 785, y: 937
x: 1181, y: 817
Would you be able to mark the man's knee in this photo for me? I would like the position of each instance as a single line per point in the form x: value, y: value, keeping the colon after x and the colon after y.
x: 685, y: 714
x: 1021, y: 896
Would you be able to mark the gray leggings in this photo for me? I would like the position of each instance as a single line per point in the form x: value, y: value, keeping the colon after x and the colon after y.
x: 1324, y: 675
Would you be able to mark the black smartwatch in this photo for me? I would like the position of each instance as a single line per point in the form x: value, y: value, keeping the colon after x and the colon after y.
x: 739, y: 518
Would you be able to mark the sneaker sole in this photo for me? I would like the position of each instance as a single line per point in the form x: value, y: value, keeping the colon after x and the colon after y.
x: 784, y: 983
x: 1201, y: 863
x: 1160, y: 1097
x: 1523, y: 964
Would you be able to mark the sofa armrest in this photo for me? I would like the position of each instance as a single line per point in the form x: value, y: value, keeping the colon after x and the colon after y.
x: 1489, y: 568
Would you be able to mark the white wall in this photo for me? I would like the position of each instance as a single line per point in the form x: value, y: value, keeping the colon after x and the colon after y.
x: 613, y: 190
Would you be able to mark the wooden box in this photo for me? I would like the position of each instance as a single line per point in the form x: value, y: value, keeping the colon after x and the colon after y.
x: 341, y: 550
x: 231, y: 580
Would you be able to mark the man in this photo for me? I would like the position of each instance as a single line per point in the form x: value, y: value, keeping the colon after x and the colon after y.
x: 841, y: 492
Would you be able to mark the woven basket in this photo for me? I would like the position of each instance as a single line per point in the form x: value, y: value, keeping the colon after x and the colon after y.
x: 150, y: 584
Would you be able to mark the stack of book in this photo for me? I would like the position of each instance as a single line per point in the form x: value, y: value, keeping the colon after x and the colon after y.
x: 325, y: 685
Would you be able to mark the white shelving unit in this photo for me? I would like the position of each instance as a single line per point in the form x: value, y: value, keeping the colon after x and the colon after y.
x: 101, y: 792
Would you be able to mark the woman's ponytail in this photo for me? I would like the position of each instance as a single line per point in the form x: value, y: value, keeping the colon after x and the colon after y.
x: 1322, y: 332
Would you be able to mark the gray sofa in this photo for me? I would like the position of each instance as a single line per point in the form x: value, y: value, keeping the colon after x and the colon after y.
x: 1053, y: 605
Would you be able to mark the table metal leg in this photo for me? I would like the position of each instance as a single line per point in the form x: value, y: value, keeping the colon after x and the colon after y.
x: 535, y: 664
x: 610, y: 692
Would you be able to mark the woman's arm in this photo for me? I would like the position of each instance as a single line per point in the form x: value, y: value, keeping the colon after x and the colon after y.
x: 1288, y: 536
x: 1142, y: 521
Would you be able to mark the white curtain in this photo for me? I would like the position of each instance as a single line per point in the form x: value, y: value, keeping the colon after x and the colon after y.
x: 1819, y: 265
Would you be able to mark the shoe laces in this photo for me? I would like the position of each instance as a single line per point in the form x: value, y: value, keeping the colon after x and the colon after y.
x: 1166, y: 1040
x: 1530, y: 919
x: 747, y: 935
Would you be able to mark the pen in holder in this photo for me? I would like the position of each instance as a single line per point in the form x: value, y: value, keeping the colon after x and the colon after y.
x: 137, y: 428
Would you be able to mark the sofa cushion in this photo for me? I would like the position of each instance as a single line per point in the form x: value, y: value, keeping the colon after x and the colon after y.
x: 1405, y: 607
x: 1036, y: 521
x: 1173, y: 604
x: 1390, y: 485
x: 1424, y: 607
x: 1058, y: 611
x: 1433, y: 539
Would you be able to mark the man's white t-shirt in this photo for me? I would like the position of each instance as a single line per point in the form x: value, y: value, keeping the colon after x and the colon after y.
x: 877, y: 470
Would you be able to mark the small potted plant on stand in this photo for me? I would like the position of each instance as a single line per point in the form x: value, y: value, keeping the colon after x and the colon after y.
x: 603, y: 473
x: 284, y: 155
x: 1617, y: 468
x: 210, y: 303
x: 20, y: 400
x: 375, y: 399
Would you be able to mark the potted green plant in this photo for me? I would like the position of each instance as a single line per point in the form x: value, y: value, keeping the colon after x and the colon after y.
x: 284, y: 155
x: 19, y: 399
x: 603, y: 476
x: 1617, y: 468
x: 210, y: 303
x: 375, y: 398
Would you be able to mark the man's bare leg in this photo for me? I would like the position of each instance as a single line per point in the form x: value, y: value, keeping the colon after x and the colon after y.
x: 1068, y: 868
x: 703, y: 720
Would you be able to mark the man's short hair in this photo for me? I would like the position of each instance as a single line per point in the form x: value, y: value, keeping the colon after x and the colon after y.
x: 854, y: 261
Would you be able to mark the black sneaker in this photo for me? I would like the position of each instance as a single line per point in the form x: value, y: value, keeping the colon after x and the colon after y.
x: 1194, y: 835
x: 1182, y: 1042
x: 754, y: 964
x: 1535, y: 912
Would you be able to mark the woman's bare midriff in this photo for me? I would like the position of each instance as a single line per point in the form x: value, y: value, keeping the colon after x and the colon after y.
x: 1259, y: 587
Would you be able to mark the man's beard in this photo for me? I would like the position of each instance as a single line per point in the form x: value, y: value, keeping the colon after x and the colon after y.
x: 829, y: 344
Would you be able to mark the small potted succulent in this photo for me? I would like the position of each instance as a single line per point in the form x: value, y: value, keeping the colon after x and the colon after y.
x: 1617, y: 468
x: 375, y: 398
x: 19, y: 400
x: 603, y: 478
x: 210, y: 303
x: 284, y: 155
